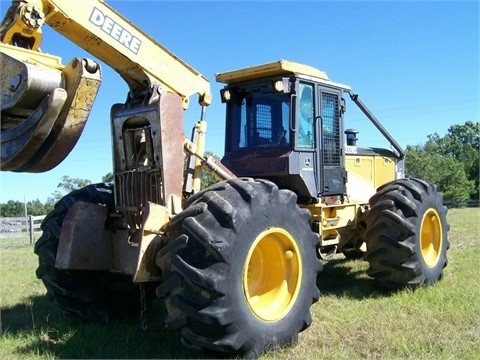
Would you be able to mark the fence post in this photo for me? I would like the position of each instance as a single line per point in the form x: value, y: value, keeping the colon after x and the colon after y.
x: 30, y: 229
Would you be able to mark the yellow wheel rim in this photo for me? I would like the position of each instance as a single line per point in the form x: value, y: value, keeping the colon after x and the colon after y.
x: 431, y: 237
x: 272, y: 274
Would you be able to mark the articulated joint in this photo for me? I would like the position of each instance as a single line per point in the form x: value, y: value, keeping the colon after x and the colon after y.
x: 22, y: 24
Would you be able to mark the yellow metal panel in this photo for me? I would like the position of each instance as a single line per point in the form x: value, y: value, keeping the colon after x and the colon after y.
x: 360, y: 177
x: 155, y: 217
x: 333, y: 217
x: 367, y: 171
x: 30, y: 56
x: 363, y: 166
x: 384, y: 170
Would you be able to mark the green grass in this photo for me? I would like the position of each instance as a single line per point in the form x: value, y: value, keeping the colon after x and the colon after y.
x: 16, y: 240
x: 354, y: 319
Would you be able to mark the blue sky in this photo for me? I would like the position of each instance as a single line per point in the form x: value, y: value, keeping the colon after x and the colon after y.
x: 414, y: 63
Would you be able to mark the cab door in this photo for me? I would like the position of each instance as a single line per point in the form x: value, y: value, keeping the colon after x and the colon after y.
x: 329, y: 126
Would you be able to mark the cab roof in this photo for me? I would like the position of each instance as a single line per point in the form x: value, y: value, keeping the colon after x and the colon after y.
x: 280, y: 67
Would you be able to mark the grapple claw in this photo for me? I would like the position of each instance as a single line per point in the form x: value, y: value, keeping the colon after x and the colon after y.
x: 20, y: 143
x: 45, y: 106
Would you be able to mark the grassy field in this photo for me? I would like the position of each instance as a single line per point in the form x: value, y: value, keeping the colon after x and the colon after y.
x: 16, y: 241
x: 353, y: 319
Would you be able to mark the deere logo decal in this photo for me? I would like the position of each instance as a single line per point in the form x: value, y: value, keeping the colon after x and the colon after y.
x: 116, y: 31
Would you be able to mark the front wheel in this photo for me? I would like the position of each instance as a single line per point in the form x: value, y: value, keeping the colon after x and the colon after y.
x: 240, y: 270
x: 83, y: 294
x: 406, y: 234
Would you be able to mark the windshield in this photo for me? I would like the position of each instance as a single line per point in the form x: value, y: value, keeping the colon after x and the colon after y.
x: 258, y: 120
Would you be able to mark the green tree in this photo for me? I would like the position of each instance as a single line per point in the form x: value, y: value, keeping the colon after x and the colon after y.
x: 69, y: 184
x: 462, y: 143
x: 207, y: 178
x: 12, y: 209
x: 57, y: 195
x: 108, y: 177
x: 35, y: 208
x: 451, y: 178
x: 17, y: 209
x: 49, y: 205
x: 451, y: 161
x: 66, y: 186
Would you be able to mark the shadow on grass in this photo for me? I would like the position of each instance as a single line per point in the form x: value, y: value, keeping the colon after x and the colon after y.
x: 40, y: 329
x: 348, y: 278
x: 37, y: 328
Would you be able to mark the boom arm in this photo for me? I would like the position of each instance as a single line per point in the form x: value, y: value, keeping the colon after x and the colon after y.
x: 106, y: 34
x: 356, y: 99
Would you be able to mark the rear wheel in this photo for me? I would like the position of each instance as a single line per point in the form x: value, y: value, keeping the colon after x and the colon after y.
x: 240, y: 271
x: 84, y: 294
x: 407, y: 234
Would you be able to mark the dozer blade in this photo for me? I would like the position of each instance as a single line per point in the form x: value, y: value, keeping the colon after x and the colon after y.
x: 43, y: 113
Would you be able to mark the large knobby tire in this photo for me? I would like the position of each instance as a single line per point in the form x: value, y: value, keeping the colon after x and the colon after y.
x: 84, y: 294
x: 406, y: 234
x: 240, y: 270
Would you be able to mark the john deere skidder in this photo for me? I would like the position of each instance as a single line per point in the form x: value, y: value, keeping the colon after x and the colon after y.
x: 236, y: 264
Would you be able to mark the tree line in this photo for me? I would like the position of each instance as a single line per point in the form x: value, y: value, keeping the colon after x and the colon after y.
x: 451, y: 162
x: 14, y: 208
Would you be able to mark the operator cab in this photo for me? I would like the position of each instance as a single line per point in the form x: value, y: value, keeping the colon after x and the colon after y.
x: 284, y: 123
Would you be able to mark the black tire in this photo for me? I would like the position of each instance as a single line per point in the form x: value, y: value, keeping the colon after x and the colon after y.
x: 219, y: 247
x: 406, y: 234
x: 84, y: 294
